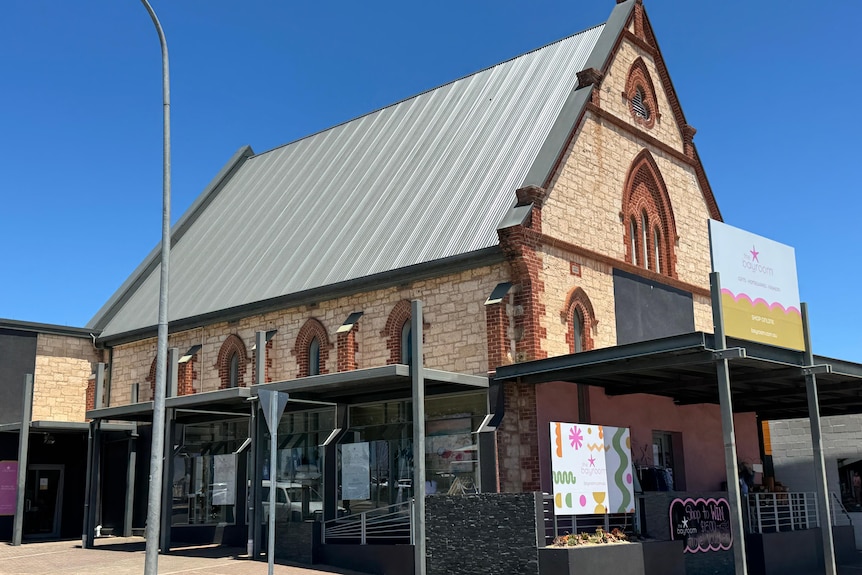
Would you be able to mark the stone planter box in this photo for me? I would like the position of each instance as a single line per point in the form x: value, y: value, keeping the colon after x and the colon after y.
x: 647, y: 558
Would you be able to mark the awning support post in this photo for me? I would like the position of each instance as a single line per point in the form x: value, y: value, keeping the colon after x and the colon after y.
x: 817, y: 443
x: 23, y: 450
x: 417, y: 377
x: 728, y: 434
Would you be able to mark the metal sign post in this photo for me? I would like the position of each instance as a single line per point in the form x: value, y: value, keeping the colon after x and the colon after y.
x: 724, y: 395
x: 272, y: 403
x: 823, y: 502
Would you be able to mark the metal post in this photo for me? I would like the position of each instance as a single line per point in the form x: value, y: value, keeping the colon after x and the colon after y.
x: 253, y: 481
x: 822, y: 498
x: 87, y: 529
x: 154, y: 507
x: 129, y: 511
x: 260, y: 427
x: 23, y: 450
x: 95, y: 481
x: 99, y: 399
x: 173, y: 372
x: 728, y: 434
x: 417, y: 377
x: 132, y: 458
x: 273, y: 450
x: 167, y: 475
x: 260, y: 358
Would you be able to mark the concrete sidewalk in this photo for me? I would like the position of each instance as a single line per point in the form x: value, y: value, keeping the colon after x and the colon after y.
x: 125, y: 556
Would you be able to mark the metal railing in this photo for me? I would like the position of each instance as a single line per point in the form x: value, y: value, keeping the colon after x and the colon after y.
x: 774, y: 512
x: 838, y: 512
x: 386, y: 525
x: 557, y: 525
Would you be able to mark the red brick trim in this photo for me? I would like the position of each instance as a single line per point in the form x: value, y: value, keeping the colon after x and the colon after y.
x: 639, y: 79
x: 497, y: 328
x: 90, y: 396
x: 673, y: 100
x: 232, y: 345
x: 525, y: 260
x: 694, y: 161
x: 151, y: 379
x: 348, y: 347
x: 311, y: 329
x: 186, y: 377
x: 550, y: 241
x: 577, y: 299
x: 646, y: 193
x: 399, y: 315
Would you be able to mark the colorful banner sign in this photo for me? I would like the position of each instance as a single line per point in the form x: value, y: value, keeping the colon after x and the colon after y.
x: 591, y: 469
x: 759, y: 288
x: 704, y: 524
x: 8, y: 487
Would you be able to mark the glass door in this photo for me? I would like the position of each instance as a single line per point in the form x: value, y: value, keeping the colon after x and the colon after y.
x: 43, y: 497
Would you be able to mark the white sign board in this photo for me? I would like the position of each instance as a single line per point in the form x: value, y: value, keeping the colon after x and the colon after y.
x: 759, y: 288
x: 224, y: 479
x: 591, y: 469
x: 355, y: 471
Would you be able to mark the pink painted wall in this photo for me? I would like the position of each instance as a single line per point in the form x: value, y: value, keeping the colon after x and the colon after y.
x: 700, y: 426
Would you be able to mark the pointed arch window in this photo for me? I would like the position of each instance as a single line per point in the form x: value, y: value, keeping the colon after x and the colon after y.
x: 581, y: 319
x: 406, y: 343
x: 233, y: 370
x: 645, y: 241
x: 314, y: 357
x: 312, y: 349
x: 641, y: 95
x: 650, y: 235
x: 232, y: 360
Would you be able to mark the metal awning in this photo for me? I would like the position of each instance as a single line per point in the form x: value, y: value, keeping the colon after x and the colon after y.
x: 764, y: 379
x: 355, y: 386
x: 232, y: 401
x: 62, y: 426
x: 373, y: 384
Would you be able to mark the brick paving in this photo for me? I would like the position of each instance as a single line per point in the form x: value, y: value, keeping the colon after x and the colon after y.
x: 125, y: 556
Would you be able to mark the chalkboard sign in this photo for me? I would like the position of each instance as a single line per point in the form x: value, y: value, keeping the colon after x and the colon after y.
x: 704, y: 524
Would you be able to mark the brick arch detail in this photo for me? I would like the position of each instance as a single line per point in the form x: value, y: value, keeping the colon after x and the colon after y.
x: 151, y: 379
x: 399, y: 315
x: 646, y: 192
x: 577, y: 299
x: 310, y: 329
x: 233, y: 344
x: 639, y: 77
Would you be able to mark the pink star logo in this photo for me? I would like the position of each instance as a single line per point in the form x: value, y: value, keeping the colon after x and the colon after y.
x: 576, y: 438
x: 754, y: 254
x: 592, y: 461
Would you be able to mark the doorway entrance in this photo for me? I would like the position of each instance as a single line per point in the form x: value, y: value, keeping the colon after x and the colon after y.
x: 43, y: 499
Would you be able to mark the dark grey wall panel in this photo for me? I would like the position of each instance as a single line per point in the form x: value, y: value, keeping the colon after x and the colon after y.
x: 647, y: 309
x: 17, y: 358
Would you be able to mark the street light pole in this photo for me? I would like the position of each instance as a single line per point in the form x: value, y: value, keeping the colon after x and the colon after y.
x: 157, y: 452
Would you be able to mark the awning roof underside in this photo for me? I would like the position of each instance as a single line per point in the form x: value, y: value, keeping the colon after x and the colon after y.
x: 390, y: 382
x: 764, y: 379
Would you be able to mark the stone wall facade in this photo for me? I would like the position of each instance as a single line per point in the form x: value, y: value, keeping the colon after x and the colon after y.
x: 793, y: 452
x: 63, y: 368
x: 454, y: 334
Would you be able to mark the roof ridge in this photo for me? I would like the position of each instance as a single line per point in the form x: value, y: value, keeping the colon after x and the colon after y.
x: 429, y: 90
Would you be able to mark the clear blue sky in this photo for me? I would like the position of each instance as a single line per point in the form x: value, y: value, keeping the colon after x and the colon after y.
x: 772, y: 88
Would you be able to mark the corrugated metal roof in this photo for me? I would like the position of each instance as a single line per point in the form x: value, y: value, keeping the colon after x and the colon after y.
x: 427, y: 178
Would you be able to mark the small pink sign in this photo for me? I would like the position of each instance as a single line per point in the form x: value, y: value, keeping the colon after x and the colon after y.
x: 8, y: 487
